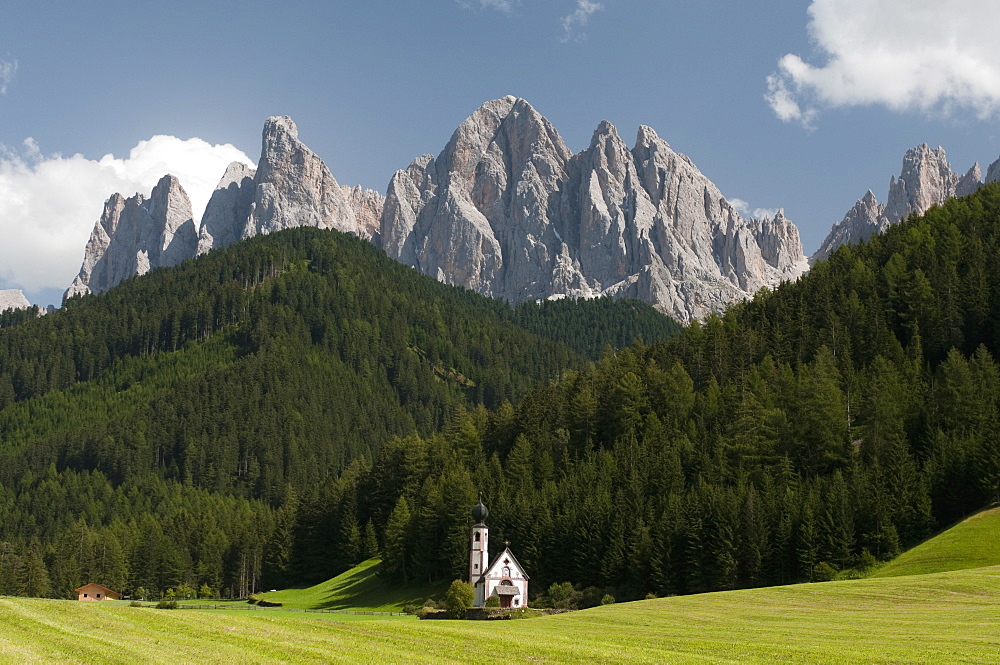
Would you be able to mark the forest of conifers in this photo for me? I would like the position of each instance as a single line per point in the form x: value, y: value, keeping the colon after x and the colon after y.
x: 271, y: 414
x: 150, y: 435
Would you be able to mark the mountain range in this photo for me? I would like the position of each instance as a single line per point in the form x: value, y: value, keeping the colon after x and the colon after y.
x: 508, y: 210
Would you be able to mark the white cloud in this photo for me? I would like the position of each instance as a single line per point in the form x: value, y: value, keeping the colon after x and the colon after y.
x: 932, y: 56
x: 7, y: 71
x: 49, y: 204
x: 505, y: 6
x: 746, y: 211
x: 574, y: 22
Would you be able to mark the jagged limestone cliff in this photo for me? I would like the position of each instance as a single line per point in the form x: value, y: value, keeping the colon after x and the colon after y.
x: 926, y: 179
x: 506, y: 209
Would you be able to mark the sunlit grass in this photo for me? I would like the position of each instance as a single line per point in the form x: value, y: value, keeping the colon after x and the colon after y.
x: 949, y: 617
x: 973, y: 543
x: 359, y: 588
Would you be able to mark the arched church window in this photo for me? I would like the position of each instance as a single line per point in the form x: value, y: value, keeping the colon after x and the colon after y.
x: 476, y: 538
x: 506, y: 571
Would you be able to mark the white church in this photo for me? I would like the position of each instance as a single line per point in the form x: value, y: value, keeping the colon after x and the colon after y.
x: 503, y: 577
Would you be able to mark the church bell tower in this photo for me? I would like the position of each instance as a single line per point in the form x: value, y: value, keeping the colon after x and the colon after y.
x: 479, y: 554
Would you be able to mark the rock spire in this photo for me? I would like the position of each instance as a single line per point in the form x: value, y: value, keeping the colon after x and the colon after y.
x: 291, y: 187
x: 926, y: 179
x: 135, y: 235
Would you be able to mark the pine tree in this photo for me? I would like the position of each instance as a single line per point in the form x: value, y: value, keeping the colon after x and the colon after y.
x: 395, y: 553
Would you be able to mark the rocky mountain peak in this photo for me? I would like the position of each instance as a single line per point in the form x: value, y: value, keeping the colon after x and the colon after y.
x: 970, y: 182
x: 280, y: 134
x: 293, y: 187
x: 646, y: 136
x: 925, y: 179
x: 225, y: 216
x: 236, y: 173
x: 135, y: 235
x: 13, y: 299
x: 993, y: 172
x: 605, y: 131
x: 506, y: 209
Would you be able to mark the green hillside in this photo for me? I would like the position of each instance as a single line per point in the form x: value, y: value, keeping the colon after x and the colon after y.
x: 943, y: 618
x: 198, y: 425
x: 973, y: 543
x: 360, y: 588
x: 590, y: 326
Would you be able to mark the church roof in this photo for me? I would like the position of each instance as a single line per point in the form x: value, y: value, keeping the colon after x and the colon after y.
x: 480, y: 512
x: 513, y: 558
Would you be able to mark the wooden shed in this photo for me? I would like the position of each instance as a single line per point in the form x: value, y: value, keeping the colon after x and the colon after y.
x: 97, y: 592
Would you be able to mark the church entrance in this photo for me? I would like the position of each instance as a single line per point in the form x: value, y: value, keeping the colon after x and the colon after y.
x: 506, y: 591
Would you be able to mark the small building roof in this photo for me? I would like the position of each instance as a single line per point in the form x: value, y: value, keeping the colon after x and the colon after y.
x: 505, y: 590
x: 94, y: 584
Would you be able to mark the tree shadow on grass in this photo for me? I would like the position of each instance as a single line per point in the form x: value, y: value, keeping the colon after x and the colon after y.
x: 364, y: 589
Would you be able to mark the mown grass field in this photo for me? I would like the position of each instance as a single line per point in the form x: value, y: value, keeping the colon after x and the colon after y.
x: 359, y: 588
x: 949, y: 617
x: 972, y: 543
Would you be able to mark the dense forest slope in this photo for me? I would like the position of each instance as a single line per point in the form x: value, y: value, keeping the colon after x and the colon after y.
x: 295, y: 412
x: 165, y: 420
x: 816, y: 428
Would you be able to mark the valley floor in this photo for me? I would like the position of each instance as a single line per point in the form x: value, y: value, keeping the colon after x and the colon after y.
x: 951, y: 617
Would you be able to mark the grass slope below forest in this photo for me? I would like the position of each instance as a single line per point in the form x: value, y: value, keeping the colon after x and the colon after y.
x: 945, y: 617
x: 359, y: 588
x: 972, y: 543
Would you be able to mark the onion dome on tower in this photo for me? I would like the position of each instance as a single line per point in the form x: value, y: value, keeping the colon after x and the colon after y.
x: 480, y: 512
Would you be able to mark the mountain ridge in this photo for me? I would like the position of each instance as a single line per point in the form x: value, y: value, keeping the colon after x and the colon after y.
x: 925, y: 179
x: 506, y: 209
x: 539, y: 221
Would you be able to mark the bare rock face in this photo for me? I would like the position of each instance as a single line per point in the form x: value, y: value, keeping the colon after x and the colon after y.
x: 926, y: 179
x: 507, y: 210
x: 228, y: 209
x: 135, y: 235
x: 13, y: 299
x: 970, y: 182
x: 291, y: 187
x: 993, y: 172
x: 865, y: 219
x: 367, y: 207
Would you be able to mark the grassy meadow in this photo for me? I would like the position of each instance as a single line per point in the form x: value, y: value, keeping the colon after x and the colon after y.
x: 359, y: 588
x: 972, y: 543
x: 951, y: 617
x: 934, y: 604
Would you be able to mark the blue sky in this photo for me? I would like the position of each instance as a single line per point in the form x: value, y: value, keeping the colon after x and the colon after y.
x: 796, y: 104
